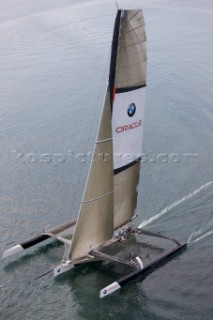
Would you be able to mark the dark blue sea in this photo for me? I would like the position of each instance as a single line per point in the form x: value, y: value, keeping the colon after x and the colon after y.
x: 54, y: 60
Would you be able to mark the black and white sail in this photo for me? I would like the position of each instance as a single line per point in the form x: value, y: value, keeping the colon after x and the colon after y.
x: 128, y: 111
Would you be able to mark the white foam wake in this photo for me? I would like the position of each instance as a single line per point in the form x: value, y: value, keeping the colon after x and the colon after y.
x: 202, y: 233
x: 175, y: 204
x: 199, y: 238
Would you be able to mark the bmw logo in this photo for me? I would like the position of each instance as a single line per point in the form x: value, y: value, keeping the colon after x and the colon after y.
x: 131, y: 109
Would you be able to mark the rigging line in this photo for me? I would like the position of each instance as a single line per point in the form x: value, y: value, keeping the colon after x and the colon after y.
x: 44, y: 274
x: 93, y: 18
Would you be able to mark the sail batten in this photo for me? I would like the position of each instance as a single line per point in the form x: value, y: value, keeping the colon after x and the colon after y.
x: 104, y: 195
x: 105, y: 140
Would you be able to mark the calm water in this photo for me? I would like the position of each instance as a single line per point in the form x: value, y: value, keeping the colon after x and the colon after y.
x: 53, y: 71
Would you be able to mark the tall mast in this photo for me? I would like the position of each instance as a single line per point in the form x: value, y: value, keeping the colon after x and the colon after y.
x: 114, y: 56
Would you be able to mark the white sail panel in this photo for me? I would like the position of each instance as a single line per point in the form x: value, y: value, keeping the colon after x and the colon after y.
x: 127, y: 126
x: 95, y: 220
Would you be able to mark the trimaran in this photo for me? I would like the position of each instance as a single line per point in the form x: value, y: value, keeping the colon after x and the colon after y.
x: 110, y: 195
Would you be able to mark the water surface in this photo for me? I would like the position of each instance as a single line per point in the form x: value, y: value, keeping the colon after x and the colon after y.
x: 53, y: 73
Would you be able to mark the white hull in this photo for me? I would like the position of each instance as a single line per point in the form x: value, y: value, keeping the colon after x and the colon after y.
x: 62, y: 268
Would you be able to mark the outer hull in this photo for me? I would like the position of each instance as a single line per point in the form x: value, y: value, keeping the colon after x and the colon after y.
x: 152, y: 265
x: 149, y: 267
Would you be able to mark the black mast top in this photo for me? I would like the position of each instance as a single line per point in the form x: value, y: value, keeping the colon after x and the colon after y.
x: 114, y: 55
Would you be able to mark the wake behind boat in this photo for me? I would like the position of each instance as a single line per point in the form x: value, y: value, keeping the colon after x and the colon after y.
x: 110, y: 196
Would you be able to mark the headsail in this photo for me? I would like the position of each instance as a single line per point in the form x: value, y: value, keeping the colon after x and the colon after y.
x: 128, y: 112
x: 95, y: 220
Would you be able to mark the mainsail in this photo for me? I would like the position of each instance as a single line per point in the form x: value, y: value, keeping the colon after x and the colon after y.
x: 128, y: 113
x: 110, y: 195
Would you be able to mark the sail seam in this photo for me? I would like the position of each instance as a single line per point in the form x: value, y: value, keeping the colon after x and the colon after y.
x: 104, y: 195
x: 133, y: 44
x: 140, y: 26
x: 134, y: 15
x: 131, y: 65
